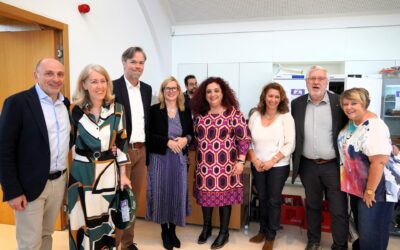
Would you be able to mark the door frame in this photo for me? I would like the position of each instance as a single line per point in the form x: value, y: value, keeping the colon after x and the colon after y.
x: 61, y: 30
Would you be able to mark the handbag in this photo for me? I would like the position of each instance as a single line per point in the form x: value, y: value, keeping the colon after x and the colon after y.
x: 125, y: 212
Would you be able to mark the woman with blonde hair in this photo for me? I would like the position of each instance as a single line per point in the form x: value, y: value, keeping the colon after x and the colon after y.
x: 364, y: 147
x: 99, y: 124
x: 171, y: 130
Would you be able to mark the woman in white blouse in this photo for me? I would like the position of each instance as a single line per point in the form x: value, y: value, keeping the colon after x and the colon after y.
x: 273, y: 142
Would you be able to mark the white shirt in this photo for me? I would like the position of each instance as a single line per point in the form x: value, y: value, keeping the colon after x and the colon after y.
x: 137, y: 113
x: 58, y: 129
x: 268, y: 141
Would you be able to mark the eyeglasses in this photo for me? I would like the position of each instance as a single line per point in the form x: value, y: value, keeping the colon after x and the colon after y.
x: 313, y: 79
x: 171, y: 89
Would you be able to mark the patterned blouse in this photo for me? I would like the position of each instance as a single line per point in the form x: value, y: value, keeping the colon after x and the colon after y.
x: 356, y: 144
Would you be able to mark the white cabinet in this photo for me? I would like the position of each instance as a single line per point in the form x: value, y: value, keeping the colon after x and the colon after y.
x: 197, y: 69
x: 373, y: 84
x: 253, y: 77
x: 367, y: 67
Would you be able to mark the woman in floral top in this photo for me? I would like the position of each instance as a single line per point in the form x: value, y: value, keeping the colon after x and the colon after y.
x: 365, y: 147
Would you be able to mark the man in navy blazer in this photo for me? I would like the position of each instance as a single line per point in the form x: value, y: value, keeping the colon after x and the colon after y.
x: 34, y: 144
x: 319, y: 118
x: 135, y: 95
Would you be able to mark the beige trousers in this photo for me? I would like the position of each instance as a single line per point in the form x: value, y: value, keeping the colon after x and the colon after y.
x: 35, y: 224
x: 137, y: 172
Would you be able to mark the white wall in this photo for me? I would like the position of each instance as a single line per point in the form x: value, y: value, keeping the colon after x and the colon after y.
x: 352, y: 45
x: 110, y: 27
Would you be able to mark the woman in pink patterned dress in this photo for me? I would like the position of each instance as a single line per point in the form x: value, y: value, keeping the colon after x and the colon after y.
x: 223, y: 140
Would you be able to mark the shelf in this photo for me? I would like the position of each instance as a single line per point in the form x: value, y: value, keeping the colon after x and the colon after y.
x: 390, y: 101
x: 391, y: 116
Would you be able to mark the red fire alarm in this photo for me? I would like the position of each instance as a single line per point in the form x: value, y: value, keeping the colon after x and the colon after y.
x: 83, y: 8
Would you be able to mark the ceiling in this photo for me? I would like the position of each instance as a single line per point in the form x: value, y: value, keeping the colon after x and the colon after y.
x: 213, y: 11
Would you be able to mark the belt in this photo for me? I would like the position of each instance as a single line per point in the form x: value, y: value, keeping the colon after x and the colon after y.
x: 56, y: 175
x: 321, y: 161
x: 136, y: 145
x: 97, y: 155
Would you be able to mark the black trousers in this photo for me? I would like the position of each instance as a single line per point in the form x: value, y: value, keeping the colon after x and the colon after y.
x: 269, y: 186
x: 317, y: 180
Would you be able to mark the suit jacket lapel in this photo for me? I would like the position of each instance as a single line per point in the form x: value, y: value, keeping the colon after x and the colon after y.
x: 125, y: 101
x: 164, y: 114
x: 144, y: 98
x: 335, y: 109
x: 36, y: 108
x: 302, y: 114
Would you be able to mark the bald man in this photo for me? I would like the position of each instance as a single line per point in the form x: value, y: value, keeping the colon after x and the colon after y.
x: 34, y: 144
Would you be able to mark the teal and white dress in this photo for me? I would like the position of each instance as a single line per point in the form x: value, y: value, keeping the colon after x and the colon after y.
x: 93, y: 178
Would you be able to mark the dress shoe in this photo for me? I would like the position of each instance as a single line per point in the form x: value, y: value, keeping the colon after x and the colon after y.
x: 133, y: 247
x: 166, y: 241
x: 204, y: 235
x: 313, y: 246
x: 260, y: 237
x: 268, y: 245
x: 220, y: 241
x: 174, y: 239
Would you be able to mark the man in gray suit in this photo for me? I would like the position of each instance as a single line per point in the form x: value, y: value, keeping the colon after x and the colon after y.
x: 319, y: 119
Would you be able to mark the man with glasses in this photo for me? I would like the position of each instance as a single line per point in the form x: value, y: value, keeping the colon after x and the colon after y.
x: 191, y: 86
x: 135, y: 95
x: 319, y: 119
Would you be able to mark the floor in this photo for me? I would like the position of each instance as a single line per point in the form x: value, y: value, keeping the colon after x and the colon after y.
x: 148, y: 238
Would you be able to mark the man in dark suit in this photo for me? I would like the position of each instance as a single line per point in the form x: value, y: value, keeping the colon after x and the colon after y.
x: 34, y: 144
x: 318, y: 119
x: 135, y: 95
x: 191, y: 86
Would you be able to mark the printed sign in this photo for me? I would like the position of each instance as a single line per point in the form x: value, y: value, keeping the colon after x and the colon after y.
x: 397, y: 106
x: 297, y: 92
x: 294, y: 93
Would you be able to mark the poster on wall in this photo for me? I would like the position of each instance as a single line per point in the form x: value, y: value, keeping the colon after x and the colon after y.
x: 397, y: 106
x: 294, y: 93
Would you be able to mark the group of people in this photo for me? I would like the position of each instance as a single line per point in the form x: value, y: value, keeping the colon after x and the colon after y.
x: 336, y: 145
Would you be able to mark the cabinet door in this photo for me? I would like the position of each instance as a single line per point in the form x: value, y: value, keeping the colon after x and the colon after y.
x: 374, y: 86
x: 199, y: 70
x: 367, y: 67
x: 228, y: 71
x: 253, y: 77
x: 391, y: 107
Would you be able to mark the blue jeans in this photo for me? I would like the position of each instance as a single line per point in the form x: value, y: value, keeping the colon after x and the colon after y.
x: 372, y: 223
x: 269, y: 185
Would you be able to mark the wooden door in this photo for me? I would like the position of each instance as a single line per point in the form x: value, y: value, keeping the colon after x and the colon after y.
x: 19, y: 53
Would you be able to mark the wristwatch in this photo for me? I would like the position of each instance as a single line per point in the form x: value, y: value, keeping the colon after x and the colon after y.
x: 370, y: 191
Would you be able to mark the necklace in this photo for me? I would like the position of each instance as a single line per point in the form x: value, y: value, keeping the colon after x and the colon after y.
x: 171, y: 112
x: 270, y: 117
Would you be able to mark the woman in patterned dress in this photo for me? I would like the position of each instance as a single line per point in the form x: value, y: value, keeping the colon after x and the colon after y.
x: 223, y: 140
x: 93, y: 181
x: 171, y: 130
x: 364, y: 147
